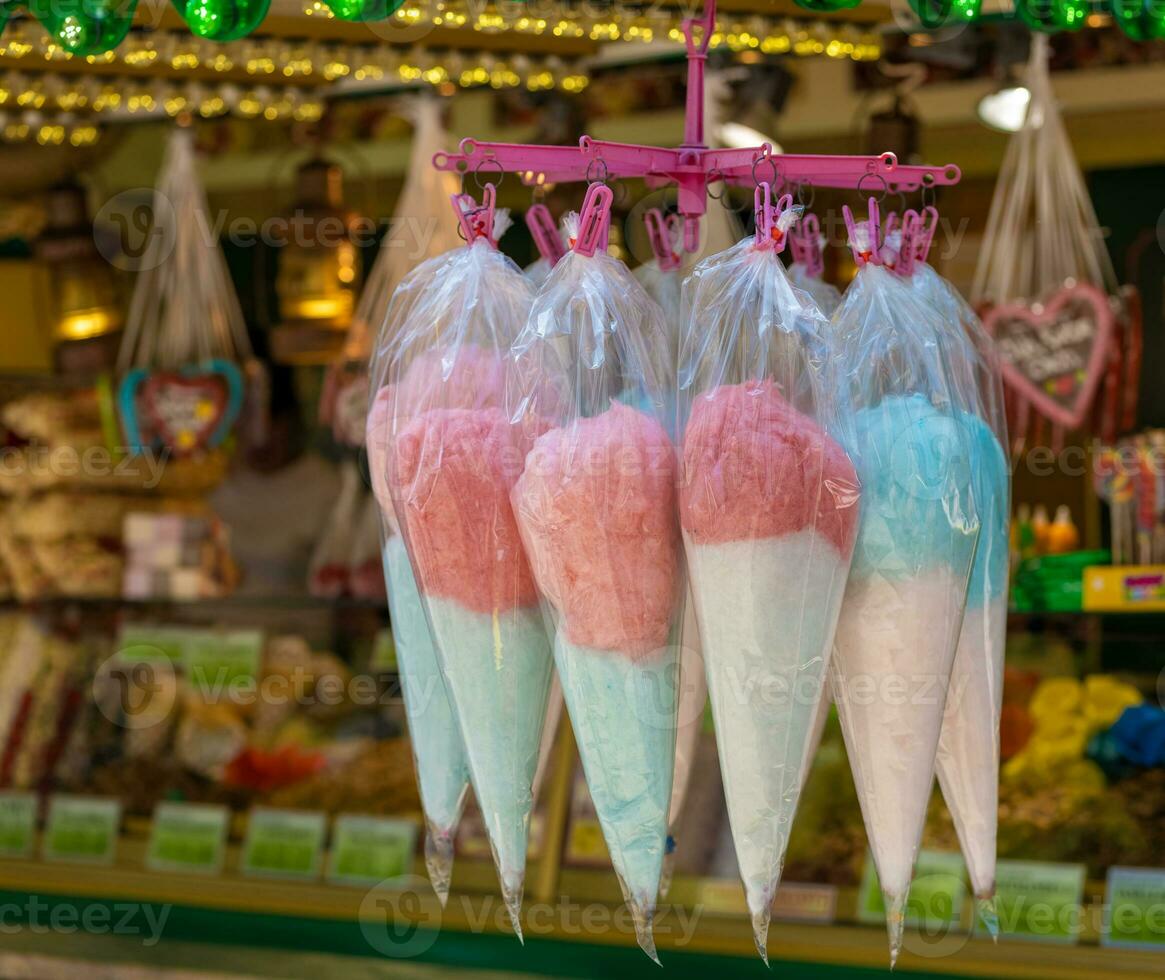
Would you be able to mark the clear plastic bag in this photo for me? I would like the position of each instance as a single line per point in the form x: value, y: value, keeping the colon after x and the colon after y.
x: 596, y: 508
x: 917, y: 440
x: 824, y: 294
x: 968, y: 752
x: 769, y: 512
x: 450, y: 460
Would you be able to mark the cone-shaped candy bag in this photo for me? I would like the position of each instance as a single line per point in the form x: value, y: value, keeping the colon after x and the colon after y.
x: 662, y: 278
x: 915, y: 443
x: 596, y: 508
x: 769, y: 511
x: 438, y: 752
x: 452, y: 459
x: 968, y: 752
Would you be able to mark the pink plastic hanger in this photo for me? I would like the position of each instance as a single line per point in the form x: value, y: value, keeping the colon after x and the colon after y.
x: 770, y: 229
x: 594, y: 221
x: 660, y: 234
x: 476, y: 221
x: 545, y: 233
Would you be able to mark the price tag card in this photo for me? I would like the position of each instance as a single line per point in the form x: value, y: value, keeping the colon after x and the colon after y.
x: 936, y: 893
x: 82, y: 829
x: 284, y: 843
x: 1135, y: 909
x: 1038, y: 900
x: 367, y: 850
x: 188, y: 837
x: 214, y: 660
x: 144, y: 642
x: 805, y: 903
x: 17, y: 824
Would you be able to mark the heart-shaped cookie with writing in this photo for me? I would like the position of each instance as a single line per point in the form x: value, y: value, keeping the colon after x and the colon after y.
x: 1053, y: 355
x: 185, y: 410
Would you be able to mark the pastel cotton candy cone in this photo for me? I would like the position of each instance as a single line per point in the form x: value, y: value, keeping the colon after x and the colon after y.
x: 968, y: 751
x: 596, y: 508
x: 768, y: 507
x: 438, y: 753
x: 968, y: 754
x: 900, y: 623
x: 451, y: 484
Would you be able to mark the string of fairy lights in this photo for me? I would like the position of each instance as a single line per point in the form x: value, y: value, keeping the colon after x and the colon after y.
x: 770, y: 35
x: 281, y: 79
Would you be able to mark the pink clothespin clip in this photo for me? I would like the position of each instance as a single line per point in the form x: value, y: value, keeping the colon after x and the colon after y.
x: 476, y: 221
x: 594, y: 221
x: 659, y: 234
x: 928, y: 225
x: 863, y: 237
x: 805, y: 241
x: 545, y: 233
x: 772, y: 220
x: 908, y: 246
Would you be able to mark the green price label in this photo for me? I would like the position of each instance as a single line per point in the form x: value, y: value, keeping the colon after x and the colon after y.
x: 936, y: 892
x: 214, y: 661
x: 144, y: 643
x: 17, y: 824
x: 284, y: 843
x: 1040, y: 901
x: 188, y: 837
x: 367, y: 850
x: 1135, y: 913
x: 82, y: 829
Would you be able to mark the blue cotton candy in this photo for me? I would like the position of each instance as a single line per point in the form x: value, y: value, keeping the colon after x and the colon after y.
x: 989, y: 485
x: 917, y: 507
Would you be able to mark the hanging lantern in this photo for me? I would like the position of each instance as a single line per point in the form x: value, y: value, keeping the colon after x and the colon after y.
x: 84, y: 27
x: 318, y: 270
x: 1050, y: 16
x: 934, y: 14
x: 85, y: 297
x: 222, y: 20
x: 364, y: 10
x: 1141, y: 20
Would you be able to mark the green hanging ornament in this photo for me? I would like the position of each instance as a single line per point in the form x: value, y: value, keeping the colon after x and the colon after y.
x: 1141, y: 20
x: 364, y: 10
x: 827, y: 6
x: 933, y: 14
x: 222, y: 20
x: 84, y: 27
x: 1051, y: 16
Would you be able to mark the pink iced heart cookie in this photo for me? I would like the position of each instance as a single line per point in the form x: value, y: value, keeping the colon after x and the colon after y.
x: 1054, y: 356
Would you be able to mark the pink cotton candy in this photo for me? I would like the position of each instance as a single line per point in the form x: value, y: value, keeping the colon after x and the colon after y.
x: 472, y: 378
x: 455, y: 468
x: 596, y: 505
x: 755, y: 467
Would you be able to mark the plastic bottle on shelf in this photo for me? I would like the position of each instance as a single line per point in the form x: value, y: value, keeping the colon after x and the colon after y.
x: 1040, y: 527
x: 1062, y: 535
